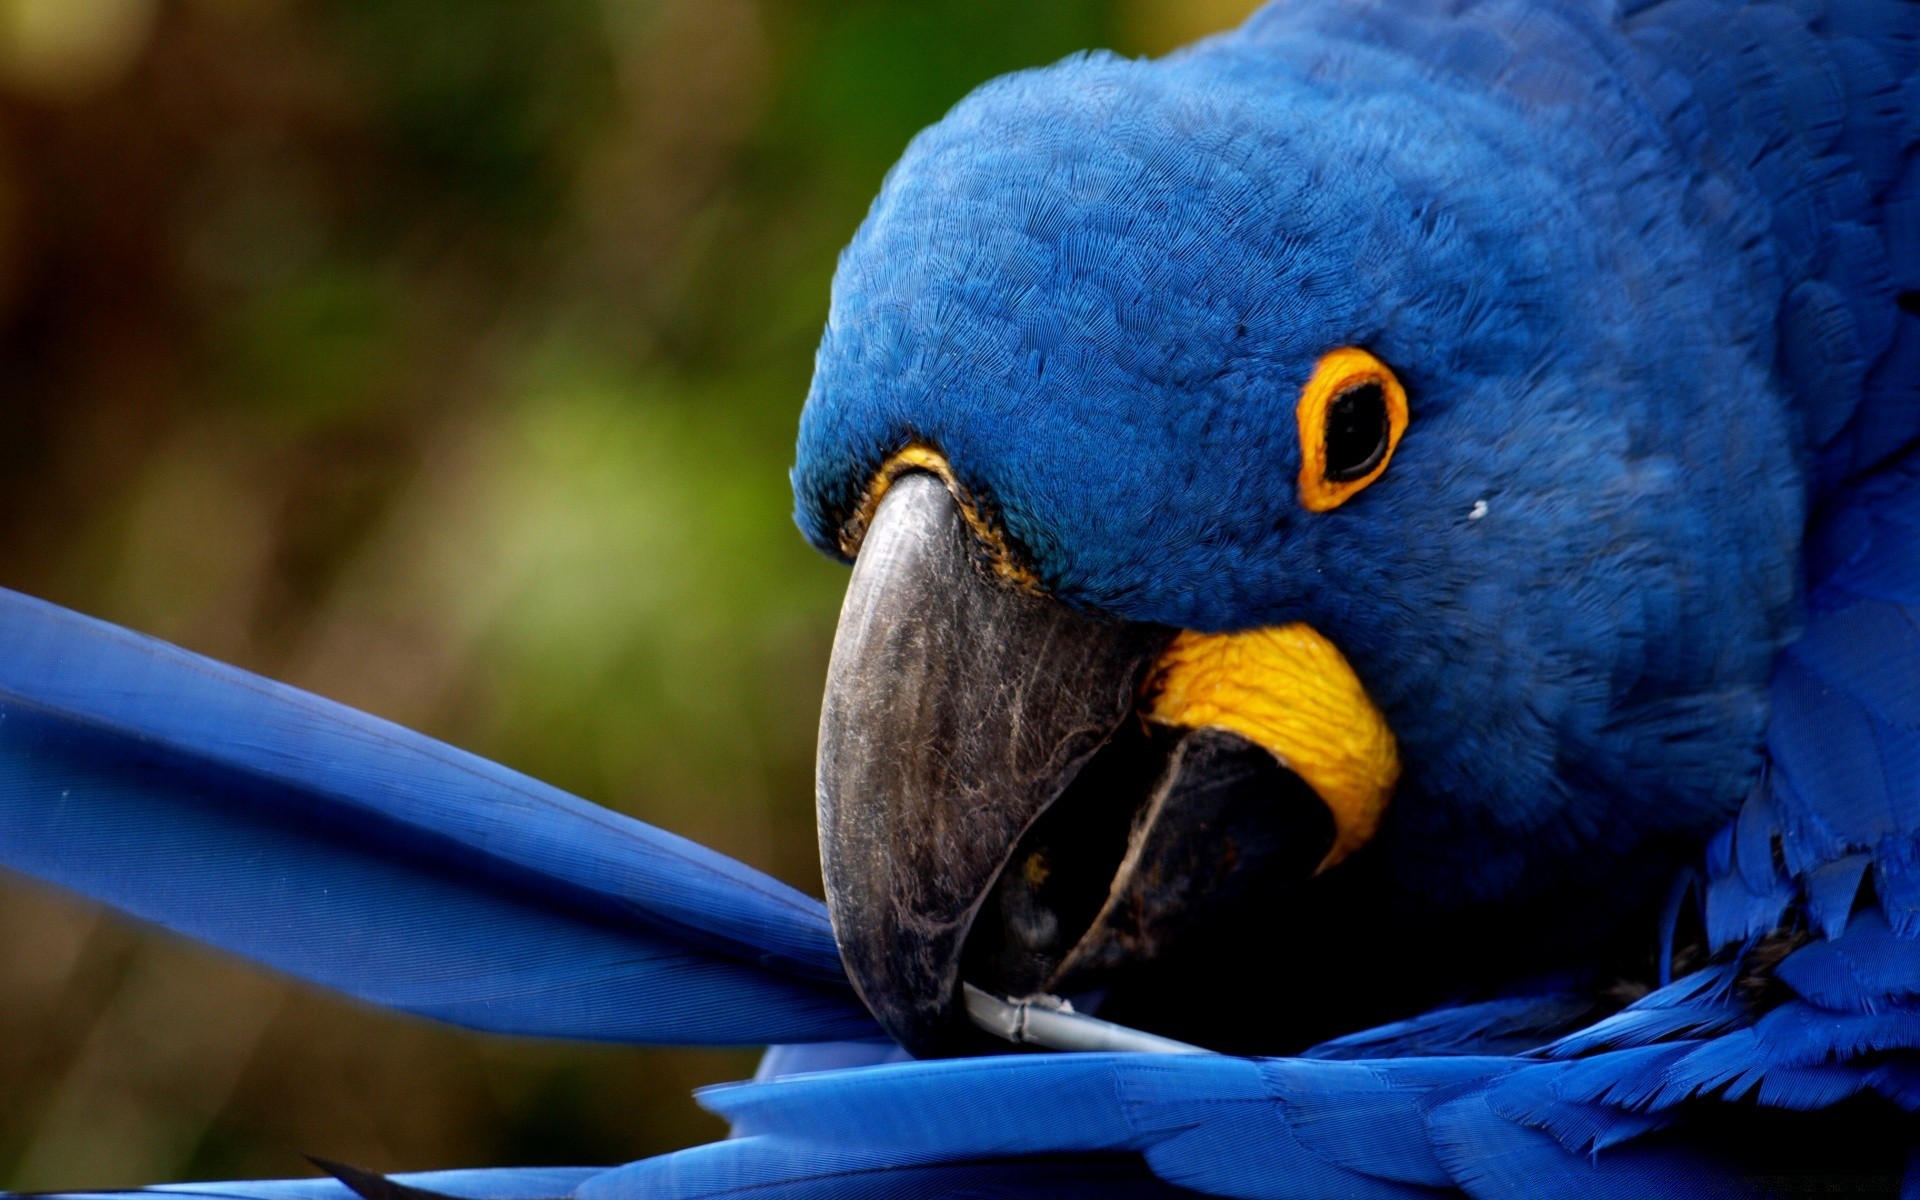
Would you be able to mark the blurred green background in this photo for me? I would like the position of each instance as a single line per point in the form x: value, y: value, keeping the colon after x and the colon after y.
x: 442, y: 357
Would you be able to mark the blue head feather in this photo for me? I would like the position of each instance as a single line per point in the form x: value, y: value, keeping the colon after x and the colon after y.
x: 1098, y: 288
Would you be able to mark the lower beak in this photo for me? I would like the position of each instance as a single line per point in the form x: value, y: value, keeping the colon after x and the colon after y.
x: 993, y: 807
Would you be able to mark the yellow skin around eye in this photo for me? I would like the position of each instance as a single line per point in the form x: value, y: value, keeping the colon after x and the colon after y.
x: 1290, y: 690
x: 1336, y: 372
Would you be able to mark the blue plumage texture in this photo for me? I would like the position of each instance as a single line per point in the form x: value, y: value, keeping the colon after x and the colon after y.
x: 1651, y: 271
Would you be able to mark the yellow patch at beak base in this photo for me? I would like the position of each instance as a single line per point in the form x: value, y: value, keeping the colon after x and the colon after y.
x: 1289, y: 690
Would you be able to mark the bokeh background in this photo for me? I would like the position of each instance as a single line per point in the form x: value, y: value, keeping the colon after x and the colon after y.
x: 441, y: 357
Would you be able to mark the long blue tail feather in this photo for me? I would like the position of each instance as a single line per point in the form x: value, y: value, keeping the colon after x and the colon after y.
x: 347, y: 851
x: 509, y: 1183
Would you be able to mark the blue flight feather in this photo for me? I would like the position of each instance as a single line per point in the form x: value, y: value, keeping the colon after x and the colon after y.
x: 510, y: 1183
x: 773, y: 1169
x: 763, y: 1168
x: 347, y: 851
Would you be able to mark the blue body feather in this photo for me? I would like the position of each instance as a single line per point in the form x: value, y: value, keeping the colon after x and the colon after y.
x: 1650, y: 271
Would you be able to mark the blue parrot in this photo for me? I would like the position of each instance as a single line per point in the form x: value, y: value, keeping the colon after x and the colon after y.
x: 1386, y: 567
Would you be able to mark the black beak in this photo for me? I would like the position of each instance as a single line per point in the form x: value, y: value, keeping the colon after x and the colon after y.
x: 992, y: 808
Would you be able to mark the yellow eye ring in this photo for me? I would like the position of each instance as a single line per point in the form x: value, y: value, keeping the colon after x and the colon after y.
x: 1351, y: 413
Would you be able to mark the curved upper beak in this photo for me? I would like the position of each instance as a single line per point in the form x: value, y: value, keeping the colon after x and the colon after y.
x: 957, y: 709
x: 995, y: 805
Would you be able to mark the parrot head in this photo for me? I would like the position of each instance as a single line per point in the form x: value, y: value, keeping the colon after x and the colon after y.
x: 1303, y: 529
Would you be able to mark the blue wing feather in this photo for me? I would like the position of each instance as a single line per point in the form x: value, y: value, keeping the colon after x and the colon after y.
x: 1219, y: 1125
x: 761, y: 1168
x: 1844, y: 738
x: 512, y: 1183
x: 350, y: 852
x: 773, y: 1168
x: 1493, y: 1156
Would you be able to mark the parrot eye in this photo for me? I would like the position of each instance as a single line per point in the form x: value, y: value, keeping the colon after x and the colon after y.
x: 1357, y: 432
x: 1351, y: 414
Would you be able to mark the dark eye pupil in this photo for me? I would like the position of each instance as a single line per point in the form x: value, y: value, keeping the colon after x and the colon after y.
x: 1356, y: 432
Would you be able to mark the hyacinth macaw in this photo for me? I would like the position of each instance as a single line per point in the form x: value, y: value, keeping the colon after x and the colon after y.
x: 1386, y: 561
